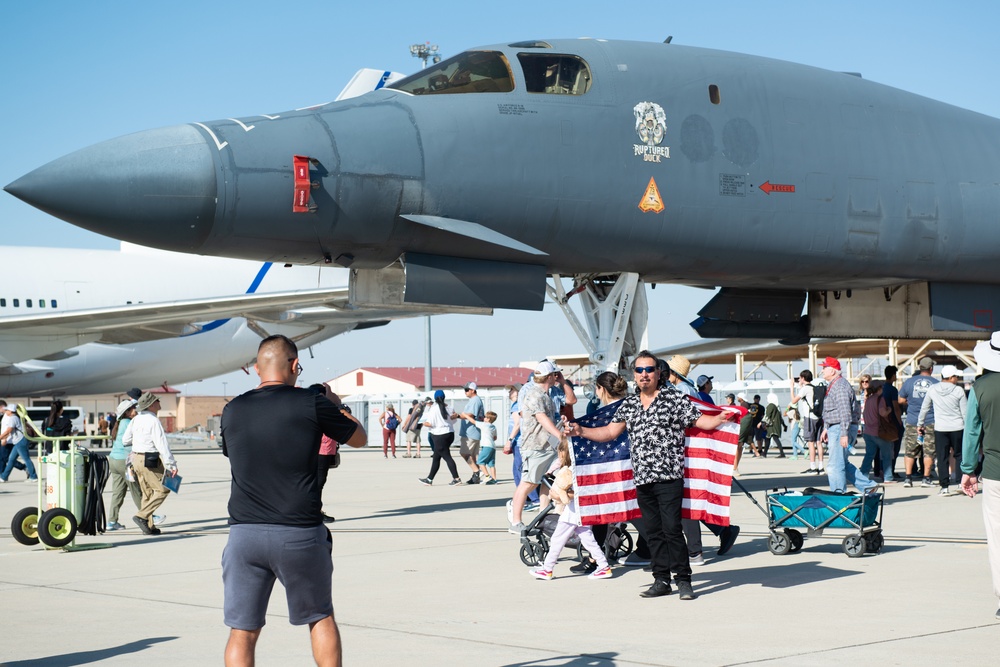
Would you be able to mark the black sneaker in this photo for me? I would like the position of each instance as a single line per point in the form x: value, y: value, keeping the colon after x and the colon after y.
x: 143, y: 525
x: 907, y: 483
x: 455, y: 482
x: 727, y: 539
x: 658, y: 589
x: 685, y: 590
x: 474, y: 479
x: 585, y: 567
x: 427, y: 481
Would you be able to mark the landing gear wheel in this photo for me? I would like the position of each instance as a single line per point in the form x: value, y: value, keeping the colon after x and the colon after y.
x: 874, y: 542
x: 796, y: 538
x: 24, y: 527
x: 57, y: 527
x: 779, y: 544
x: 854, y: 546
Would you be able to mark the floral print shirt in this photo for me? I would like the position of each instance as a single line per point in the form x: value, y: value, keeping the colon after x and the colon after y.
x: 657, y: 434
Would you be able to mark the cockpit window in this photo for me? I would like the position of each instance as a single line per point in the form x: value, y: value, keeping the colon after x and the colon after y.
x: 469, y: 72
x: 555, y: 74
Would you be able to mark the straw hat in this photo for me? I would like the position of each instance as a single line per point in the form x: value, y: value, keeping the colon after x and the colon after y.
x: 679, y: 365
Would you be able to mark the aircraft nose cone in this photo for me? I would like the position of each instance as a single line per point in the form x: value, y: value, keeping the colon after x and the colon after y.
x: 158, y: 184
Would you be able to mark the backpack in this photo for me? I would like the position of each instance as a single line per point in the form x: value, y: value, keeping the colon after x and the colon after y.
x: 819, y: 395
x: 392, y: 421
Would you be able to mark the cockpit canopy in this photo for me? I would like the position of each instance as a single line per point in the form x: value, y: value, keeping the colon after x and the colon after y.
x: 489, y: 72
x: 469, y: 72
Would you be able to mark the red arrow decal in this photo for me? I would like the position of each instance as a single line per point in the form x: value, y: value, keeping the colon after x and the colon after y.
x: 767, y: 187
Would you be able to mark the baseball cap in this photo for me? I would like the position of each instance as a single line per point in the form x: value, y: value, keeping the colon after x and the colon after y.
x: 926, y: 363
x: 703, y: 380
x: 950, y: 371
x: 741, y: 396
x: 472, y: 386
x: 546, y: 368
x: 831, y: 362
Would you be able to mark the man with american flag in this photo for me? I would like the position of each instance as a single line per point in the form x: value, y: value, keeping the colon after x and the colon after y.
x: 656, y: 420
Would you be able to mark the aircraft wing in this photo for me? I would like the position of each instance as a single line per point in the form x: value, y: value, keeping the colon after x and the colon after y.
x: 364, y: 314
x: 36, y: 336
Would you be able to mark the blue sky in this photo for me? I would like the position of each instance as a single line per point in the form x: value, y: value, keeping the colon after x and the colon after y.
x: 78, y: 73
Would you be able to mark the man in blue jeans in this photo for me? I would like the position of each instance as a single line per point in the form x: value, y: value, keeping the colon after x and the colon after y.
x: 838, y: 410
x: 12, y: 431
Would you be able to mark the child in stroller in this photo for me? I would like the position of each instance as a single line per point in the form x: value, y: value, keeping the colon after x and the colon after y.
x: 567, y: 524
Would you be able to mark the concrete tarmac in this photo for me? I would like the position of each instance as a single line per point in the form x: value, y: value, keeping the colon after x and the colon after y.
x: 430, y: 576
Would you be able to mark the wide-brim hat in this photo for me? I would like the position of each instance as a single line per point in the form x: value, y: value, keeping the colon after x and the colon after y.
x: 146, y: 400
x: 987, y: 353
x: 123, y: 407
x: 680, y: 365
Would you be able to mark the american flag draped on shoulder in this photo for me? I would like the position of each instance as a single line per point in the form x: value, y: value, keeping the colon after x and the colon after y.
x: 605, y: 488
x: 708, y: 467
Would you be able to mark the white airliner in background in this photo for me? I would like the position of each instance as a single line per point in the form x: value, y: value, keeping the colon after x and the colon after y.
x: 102, y: 321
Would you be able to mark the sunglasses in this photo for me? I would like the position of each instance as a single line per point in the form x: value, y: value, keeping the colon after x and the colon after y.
x: 644, y: 369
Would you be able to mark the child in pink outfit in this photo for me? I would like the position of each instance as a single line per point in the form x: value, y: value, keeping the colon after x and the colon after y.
x: 569, y: 523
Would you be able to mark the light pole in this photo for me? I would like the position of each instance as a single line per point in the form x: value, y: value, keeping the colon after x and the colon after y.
x: 224, y: 390
x: 425, y: 52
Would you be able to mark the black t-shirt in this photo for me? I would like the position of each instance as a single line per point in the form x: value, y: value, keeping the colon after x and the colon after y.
x: 271, y: 436
x: 61, y: 425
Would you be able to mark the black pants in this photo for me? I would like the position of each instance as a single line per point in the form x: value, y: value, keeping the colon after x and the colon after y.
x: 441, y: 446
x: 660, y: 503
x: 946, y: 442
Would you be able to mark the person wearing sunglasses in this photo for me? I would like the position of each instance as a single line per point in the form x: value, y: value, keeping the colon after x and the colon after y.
x: 656, y: 418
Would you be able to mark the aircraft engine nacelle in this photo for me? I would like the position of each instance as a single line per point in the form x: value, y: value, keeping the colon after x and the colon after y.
x: 433, y: 280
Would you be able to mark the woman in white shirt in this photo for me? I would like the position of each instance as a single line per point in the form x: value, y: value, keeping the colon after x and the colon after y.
x: 442, y: 434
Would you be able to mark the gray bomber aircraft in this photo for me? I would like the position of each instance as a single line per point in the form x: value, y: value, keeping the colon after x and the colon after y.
x: 822, y: 204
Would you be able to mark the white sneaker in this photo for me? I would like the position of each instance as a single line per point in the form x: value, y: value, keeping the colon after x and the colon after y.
x: 945, y: 491
x: 510, y: 511
x: 516, y: 529
x: 697, y: 560
x: 158, y: 519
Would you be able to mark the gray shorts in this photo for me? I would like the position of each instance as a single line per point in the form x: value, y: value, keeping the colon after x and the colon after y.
x: 811, y: 429
x: 413, y: 436
x: 257, y: 554
x: 534, y: 464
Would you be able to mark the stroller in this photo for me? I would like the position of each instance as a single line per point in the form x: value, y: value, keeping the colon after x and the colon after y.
x: 538, y: 533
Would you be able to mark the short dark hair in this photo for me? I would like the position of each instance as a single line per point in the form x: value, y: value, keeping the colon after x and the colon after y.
x: 646, y: 354
x: 288, y: 347
x: 806, y: 375
x: 890, y: 373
